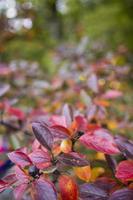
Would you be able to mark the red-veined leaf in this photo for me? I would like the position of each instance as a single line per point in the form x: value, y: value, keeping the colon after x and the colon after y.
x: 56, y: 120
x: 60, y: 132
x: 19, y: 158
x: 10, y: 179
x: 3, y: 185
x: 100, y: 140
x: 40, y: 158
x: 22, y: 177
x: 124, y: 171
x: 19, y: 191
x: 81, y: 123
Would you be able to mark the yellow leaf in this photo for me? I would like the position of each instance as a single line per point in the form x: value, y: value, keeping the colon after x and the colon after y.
x: 112, y: 124
x: 100, y: 156
x: 96, y: 172
x: 84, y: 173
x: 66, y: 146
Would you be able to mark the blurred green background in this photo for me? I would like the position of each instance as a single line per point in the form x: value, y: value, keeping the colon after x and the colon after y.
x: 30, y: 29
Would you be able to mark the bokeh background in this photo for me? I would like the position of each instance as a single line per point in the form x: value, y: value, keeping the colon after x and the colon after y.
x: 29, y: 29
x: 59, y: 51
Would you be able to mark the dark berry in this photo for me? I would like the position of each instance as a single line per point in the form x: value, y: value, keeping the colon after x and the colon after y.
x: 33, y: 171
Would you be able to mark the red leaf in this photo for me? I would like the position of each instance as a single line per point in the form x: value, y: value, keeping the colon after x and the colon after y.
x: 19, y: 191
x: 57, y: 120
x: 5, y: 70
x: 81, y: 123
x: 100, y: 140
x: 44, y: 190
x: 19, y: 158
x: 43, y: 134
x: 68, y: 188
x: 10, y: 179
x: 35, y: 145
x: 124, y: 171
x: 16, y: 112
x: 3, y: 185
x: 60, y: 132
x: 40, y: 158
x: 22, y: 177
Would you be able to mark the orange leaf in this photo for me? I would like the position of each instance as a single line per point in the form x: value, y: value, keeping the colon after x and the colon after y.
x: 84, y: 173
x: 68, y: 188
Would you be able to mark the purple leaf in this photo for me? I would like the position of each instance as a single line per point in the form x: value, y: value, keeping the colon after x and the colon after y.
x: 19, y: 191
x: 73, y: 159
x: 19, y: 158
x: 60, y: 132
x: 44, y: 190
x: 125, y: 146
x: 40, y: 158
x: 68, y: 113
x: 43, y: 134
x: 93, y: 83
x: 122, y: 194
x: 92, y: 192
x: 4, y: 88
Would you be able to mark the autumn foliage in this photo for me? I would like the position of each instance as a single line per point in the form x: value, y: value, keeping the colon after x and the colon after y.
x: 71, y: 153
